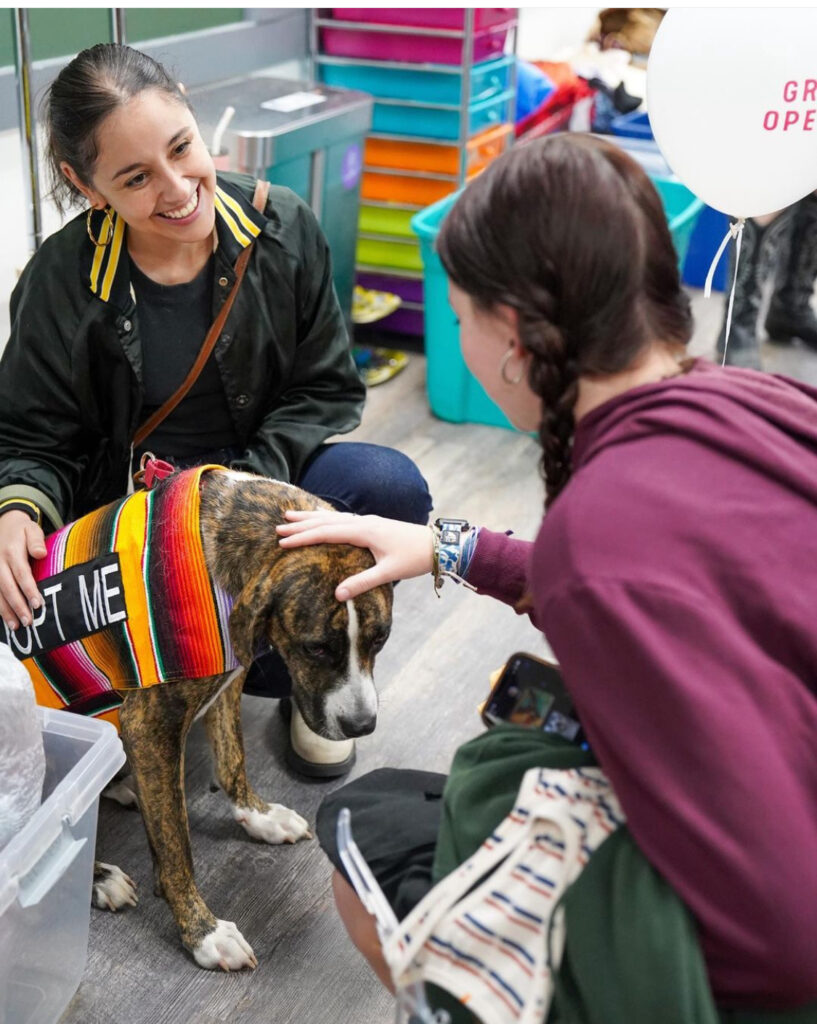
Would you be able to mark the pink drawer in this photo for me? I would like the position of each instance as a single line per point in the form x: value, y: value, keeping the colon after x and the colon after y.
x: 363, y: 45
x: 427, y: 17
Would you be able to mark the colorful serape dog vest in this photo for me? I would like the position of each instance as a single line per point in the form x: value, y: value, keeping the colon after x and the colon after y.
x: 128, y: 602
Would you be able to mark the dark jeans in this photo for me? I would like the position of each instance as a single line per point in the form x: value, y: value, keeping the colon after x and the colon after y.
x: 354, y: 477
x: 367, y: 479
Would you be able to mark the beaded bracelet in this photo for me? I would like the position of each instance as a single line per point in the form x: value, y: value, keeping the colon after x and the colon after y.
x: 469, y: 546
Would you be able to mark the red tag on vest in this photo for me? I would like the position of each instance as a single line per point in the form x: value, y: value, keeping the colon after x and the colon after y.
x: 156, y: 469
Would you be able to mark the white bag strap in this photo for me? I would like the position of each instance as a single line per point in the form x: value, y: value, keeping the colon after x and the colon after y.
x: 501, y: 902
x: 507, y: 843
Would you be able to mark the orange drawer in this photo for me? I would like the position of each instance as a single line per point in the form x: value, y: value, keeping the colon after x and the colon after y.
x: 440, y: 159
x: 396, y: 188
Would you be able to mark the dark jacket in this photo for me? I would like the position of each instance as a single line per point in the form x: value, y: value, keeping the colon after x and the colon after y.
x: 71, y: 390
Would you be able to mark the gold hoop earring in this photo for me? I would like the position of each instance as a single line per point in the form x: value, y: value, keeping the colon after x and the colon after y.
x: 109, y: 220
x: 503, y: 369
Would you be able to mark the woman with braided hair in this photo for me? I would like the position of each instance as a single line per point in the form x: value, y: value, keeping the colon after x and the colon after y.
x: 673, y: 572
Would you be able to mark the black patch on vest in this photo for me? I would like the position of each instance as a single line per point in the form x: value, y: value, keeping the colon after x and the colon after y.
x: 78, y: 602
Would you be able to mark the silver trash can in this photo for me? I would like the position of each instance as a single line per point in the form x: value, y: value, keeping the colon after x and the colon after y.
x: 307, y: 137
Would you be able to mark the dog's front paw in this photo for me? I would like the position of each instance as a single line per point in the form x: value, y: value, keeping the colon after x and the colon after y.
x: 112, y: 888
x: 278, y: 824
x: 224, y: 947
x: 123, y: 791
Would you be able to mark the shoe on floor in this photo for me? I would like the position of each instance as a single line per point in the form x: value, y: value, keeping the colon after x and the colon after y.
x: 370, y: 305
x: 310, y: 754
x: 377, y: 365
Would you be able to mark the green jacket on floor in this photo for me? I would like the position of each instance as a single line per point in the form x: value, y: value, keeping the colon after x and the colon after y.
x: 631, y: 954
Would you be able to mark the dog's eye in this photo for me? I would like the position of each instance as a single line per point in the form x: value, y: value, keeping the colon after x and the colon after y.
x: 316, y: 651
x: 379, y: 641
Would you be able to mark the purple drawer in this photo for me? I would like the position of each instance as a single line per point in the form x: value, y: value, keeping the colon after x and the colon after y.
x: 401, y: 321
x: 409, y: 290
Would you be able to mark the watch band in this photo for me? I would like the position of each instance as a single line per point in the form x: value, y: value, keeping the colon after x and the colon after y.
x: 448, y: 545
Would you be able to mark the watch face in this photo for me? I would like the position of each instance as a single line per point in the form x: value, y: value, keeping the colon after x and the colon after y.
x: 449, y: 537
x: 447, y: 524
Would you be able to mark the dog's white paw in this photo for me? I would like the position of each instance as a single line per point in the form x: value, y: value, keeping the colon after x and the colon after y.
x: 123, y: 791
x: 113, y: 889
x: 278, y: 824
x: 224, y: 947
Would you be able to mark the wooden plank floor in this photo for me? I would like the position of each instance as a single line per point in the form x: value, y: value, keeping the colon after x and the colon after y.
x: 431, y: 676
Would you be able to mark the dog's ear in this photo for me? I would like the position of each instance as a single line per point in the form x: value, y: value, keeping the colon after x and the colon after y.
x: 250, y: 614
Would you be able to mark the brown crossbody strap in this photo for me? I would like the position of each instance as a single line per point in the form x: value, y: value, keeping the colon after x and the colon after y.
x: 259, y: 201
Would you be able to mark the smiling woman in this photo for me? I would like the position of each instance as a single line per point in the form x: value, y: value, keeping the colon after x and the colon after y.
x: 113, y: 311
x: 140, y: 154
x: 165, y: 192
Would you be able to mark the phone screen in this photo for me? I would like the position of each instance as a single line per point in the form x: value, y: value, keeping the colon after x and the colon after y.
x: 531, y: 693
x: 529, y: 705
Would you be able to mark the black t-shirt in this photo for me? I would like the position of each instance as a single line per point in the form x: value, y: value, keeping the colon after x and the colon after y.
x: 173, y: 323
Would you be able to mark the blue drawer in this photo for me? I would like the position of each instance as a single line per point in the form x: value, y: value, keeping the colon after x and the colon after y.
x: 633, y: 126
x: 488, y: 79
x: 426, y: 122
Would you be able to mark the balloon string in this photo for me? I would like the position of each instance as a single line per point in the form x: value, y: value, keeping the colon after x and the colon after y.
x: 734, y: 231
x: 739, y: 235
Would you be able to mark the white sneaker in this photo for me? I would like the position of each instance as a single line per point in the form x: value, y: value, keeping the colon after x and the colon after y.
x: 313, y: 755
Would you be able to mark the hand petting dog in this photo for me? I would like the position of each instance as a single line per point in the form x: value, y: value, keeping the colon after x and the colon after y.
x: 401, y: 550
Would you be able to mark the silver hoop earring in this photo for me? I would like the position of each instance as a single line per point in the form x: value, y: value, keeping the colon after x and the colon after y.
x: 503, y: 369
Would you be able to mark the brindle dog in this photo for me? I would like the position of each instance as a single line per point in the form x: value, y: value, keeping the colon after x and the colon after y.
x: 284, y: 598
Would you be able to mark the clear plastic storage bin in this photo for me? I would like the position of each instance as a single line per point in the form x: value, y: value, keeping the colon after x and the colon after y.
x: 46, y: 872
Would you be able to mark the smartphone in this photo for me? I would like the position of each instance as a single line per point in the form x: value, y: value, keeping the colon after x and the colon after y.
x: 531, y: 693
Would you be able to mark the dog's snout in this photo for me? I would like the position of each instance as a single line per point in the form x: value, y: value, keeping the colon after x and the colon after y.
x: 361, y: 725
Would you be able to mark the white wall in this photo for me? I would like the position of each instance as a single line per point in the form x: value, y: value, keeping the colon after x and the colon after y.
x: 14, y: 252
x: 548, y: 33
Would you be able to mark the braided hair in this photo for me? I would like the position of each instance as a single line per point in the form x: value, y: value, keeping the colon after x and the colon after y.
x: 570, y: 233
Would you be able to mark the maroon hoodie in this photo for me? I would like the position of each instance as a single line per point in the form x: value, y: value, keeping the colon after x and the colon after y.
x: 676, y: 579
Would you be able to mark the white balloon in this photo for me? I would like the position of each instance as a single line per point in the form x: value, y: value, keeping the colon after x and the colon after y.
x: 732, y: 99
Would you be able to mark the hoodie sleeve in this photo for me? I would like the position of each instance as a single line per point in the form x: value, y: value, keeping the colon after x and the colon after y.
x: 499, y: 568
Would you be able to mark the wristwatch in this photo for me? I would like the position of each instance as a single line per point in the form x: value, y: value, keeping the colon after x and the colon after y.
x: 448, y: 549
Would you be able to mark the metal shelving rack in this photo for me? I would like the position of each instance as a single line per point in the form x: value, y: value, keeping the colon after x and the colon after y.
x: 468, y: 34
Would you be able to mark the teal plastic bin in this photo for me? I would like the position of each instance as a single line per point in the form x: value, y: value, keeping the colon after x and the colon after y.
x: 453, y: 392
x: 683, y: 208
x: 399, y: 117
x: 487, y: 80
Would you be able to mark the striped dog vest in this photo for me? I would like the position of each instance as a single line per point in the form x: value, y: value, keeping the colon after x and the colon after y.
x: 128, y: 602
